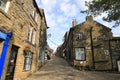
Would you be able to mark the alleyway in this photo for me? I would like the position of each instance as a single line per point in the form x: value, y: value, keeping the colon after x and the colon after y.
x: 59, y: 69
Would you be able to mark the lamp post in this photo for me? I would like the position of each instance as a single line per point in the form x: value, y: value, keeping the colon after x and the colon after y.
x: 110, y: 53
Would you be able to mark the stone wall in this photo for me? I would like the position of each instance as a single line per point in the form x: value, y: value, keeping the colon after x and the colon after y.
x: 17, y: 20
x: 100, y: 35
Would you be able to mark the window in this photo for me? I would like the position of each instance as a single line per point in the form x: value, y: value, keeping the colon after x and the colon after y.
x: 31, y: 35
x: 36, y: 17
x: 80, y: 53
x: 106, y: 52
x: 104, y: 37
x: 33, y: 11
x: 28, y: 61
x: 79, y: 36
x: 4, y: 4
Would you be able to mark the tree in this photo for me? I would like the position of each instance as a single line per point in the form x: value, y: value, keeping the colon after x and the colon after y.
x: 110, y: 7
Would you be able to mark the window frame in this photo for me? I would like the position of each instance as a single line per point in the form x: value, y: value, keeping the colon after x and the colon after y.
x: 30, y: 32
x: 28, y: 61
x: 79, y: 36
x: 31, y: 35
x: 5, y: 5
x: 33, y: 11
x: 106, y: 52
x: 36, y: 17
x: 82, y: 54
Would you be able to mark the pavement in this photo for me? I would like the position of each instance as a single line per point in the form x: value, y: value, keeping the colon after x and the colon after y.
x: 58, y: 69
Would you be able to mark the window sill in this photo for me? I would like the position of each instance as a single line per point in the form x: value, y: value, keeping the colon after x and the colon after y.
x: 26, y: 70
x: 4, y: 13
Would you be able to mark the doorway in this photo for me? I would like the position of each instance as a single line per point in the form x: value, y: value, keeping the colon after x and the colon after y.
x: 12, y: 63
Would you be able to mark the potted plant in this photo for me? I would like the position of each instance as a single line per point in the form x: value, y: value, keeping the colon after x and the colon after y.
x: 26, y: 49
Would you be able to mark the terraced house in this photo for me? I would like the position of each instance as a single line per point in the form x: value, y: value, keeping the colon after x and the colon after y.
x: 22, y: 28
x: 87, y: 45
x: 115, y: 50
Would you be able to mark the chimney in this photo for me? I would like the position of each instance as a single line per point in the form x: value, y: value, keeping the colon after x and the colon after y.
x: 74, y: 23
x: 89, y: 18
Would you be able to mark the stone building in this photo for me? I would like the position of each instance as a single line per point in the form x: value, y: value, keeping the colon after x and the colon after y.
x: 61, y: 49
x: 87, y: 45
x: 42, y: 39
x: 22, y: 28
x: 115, y: 52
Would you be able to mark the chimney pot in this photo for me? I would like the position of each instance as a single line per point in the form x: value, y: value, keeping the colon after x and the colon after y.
x: 89, y: 18
x: 74, y: 22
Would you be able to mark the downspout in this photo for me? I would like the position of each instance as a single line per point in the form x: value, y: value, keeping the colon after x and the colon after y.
x: 92, y: 49
x: 110, y: 51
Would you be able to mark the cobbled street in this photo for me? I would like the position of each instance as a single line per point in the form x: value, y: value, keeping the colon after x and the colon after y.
x: 58, y: 69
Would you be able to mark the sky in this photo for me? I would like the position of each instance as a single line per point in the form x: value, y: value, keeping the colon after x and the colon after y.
x: 59, y: 16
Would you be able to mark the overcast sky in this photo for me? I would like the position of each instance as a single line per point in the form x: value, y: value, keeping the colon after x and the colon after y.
x: 59, y: 15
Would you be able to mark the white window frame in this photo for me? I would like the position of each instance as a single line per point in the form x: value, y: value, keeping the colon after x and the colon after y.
x: 33, y: 11
x: 33, y: 36
x: 106, y: 52
x: 36, y: 17
x: 28, y: 61
x: 80, y: 53
x: 79, y: 36
x: 5, y: 5
x: 30, y: 33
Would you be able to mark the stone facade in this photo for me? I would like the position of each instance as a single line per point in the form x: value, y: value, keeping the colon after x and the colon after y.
x: 115, y: 52
x: 87, y: 45
x: 25, y: 20
x: 42, y: 40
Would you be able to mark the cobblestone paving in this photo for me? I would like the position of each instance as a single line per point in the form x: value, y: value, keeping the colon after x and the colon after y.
x: 59, y: 69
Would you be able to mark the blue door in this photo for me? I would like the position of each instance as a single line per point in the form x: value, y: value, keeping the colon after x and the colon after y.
x: 6, y: 38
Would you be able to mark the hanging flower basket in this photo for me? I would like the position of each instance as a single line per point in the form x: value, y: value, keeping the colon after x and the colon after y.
x: 26, y: 49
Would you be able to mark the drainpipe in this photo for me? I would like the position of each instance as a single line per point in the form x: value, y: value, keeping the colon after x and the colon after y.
x: 110, y: 53
x: 92, y: 49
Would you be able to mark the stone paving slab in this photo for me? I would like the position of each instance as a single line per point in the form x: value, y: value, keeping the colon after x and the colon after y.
x: 59, y: 69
